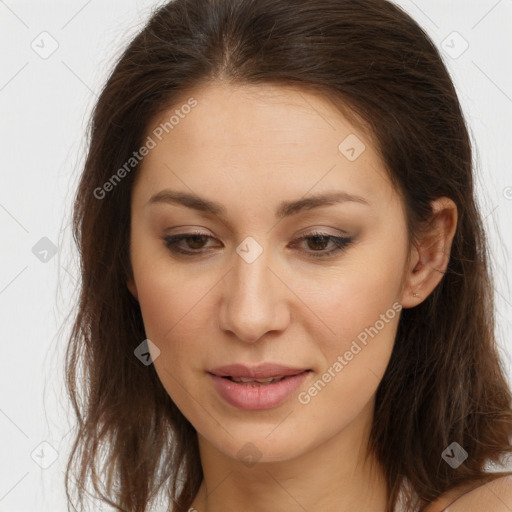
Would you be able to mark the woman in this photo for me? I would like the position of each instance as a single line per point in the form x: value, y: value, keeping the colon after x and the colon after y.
x: 285, y: 301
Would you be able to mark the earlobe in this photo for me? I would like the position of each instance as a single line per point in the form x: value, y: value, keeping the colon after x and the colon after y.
x: 431, y: 253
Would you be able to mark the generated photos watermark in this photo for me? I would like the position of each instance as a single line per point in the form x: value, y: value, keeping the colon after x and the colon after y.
x: 342, y: 361
x: 149, y: 144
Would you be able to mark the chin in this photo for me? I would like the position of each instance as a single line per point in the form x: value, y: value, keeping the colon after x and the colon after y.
x: 255, y: 445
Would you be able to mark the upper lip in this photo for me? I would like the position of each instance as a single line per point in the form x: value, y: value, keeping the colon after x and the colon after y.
x: 261, y: 371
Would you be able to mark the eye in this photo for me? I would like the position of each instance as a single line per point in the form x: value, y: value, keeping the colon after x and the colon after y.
x: 316, y: 241
x: 319, y: 240
x: 195, y: 241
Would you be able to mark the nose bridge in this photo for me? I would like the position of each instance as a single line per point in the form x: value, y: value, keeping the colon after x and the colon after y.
x: 251, y: 303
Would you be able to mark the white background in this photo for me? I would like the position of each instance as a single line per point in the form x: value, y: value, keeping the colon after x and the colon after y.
x: 45, y: 104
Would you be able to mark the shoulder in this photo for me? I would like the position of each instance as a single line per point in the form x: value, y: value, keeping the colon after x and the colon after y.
x: 493, y: 496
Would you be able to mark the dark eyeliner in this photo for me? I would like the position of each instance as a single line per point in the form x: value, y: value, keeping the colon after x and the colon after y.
x: 340, y: 244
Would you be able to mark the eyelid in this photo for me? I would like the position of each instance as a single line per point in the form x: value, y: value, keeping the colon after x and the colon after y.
x: 324, y: 231
x: 306, y: 232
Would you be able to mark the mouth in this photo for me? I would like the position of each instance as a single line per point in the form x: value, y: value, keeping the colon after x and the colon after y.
x: 251, y: 393
x: 262, y: 373
x: 260, y: 382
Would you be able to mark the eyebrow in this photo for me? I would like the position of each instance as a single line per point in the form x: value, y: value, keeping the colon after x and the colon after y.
x: 285, y: 209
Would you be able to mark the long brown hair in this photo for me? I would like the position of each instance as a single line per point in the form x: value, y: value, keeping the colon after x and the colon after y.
x: 444, y: 382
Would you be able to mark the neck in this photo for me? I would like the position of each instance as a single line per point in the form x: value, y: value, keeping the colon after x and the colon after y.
x: 332, y: 477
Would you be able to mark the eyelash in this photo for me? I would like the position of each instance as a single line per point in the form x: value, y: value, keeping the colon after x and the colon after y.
x: 340, y: 243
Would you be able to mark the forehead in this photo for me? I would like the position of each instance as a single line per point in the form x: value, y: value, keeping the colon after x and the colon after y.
x: 268, y: 116
x: 263, y: 141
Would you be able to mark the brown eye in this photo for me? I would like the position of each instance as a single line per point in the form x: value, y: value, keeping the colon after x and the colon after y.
x: 317, y: 243
x: 194, y: 241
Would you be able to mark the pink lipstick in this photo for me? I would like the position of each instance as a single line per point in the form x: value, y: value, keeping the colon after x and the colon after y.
x: 264, y: 386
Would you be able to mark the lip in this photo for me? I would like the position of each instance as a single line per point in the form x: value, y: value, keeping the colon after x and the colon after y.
x: 261, y: 371
x: 252, y: 396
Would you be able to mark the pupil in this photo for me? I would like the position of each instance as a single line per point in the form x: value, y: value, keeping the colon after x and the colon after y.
x: 195, y: 239
x: 315, y: 240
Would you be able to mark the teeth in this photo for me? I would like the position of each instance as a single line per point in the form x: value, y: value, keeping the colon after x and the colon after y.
x: 268, y: 380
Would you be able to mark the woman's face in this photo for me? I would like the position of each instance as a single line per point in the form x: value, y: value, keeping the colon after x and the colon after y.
x: 267, y: 275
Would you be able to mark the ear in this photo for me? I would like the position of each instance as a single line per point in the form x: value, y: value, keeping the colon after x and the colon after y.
x: 430, y: 254
x: 130, y: 283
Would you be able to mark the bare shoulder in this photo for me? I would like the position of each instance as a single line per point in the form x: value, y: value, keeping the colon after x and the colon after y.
x: 494, y: 496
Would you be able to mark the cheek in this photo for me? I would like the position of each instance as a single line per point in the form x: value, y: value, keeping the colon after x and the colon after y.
x: 168, y: 307
x: 355, y: 357
x: 172, y: 316
x: 176, y: 311
x: 364, y: 335
x: 168, y: 294
x: 352, y: 299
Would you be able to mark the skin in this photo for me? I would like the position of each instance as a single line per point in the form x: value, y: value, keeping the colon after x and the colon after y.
x: 250, y: 148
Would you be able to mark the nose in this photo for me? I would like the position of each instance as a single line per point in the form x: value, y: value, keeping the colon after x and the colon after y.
x: 254, y: 300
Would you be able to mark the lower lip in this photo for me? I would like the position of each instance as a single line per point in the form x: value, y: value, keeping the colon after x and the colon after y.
x: 253, y: 397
